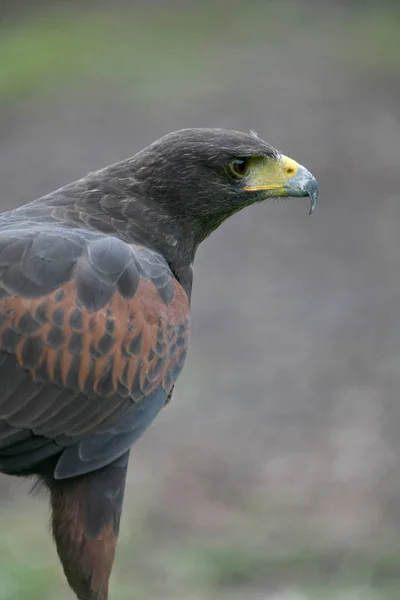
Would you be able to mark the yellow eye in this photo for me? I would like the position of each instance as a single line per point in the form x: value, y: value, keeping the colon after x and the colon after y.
x: 239, y: 167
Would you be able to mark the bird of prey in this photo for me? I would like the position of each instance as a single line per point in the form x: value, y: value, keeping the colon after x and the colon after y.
x: 95, y: 287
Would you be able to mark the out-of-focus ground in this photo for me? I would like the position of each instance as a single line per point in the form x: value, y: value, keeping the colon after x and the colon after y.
x: 274, y: 473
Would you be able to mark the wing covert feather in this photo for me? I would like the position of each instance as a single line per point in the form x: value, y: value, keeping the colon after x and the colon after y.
x: 89, y: 327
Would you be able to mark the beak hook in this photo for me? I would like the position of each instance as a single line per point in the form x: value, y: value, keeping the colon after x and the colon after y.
x: 313, y: 201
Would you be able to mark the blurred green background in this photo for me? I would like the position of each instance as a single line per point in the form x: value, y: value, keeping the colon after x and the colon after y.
x: 274, y: 473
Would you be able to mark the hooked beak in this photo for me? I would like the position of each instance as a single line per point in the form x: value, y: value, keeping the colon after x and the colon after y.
x: 284, y: 177
x: 303, y: 183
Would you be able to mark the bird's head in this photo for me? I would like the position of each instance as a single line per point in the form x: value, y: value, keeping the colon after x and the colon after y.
x: 206, y: 175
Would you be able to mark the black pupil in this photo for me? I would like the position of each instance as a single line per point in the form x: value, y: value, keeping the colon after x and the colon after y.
x: 240, y: 166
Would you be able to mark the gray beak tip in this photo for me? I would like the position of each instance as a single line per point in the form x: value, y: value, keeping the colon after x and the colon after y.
x: 303, y: 184
x: 313, y: 201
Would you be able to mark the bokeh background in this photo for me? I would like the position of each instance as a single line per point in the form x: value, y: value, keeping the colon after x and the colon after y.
x: 274, y: 474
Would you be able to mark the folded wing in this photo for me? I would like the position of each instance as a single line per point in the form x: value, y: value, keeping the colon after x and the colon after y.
x: 93, y: 334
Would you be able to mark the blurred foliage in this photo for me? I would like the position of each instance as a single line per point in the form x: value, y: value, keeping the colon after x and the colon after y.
x: 149, y: 565
x: 148, y: 47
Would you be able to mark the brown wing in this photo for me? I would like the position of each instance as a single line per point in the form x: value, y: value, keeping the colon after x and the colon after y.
x: 93, y: 334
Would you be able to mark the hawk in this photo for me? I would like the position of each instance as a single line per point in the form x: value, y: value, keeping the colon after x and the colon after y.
x: 95, y: 287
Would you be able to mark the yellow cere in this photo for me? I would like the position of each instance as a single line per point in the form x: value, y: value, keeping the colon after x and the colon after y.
x: 269, y: 174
